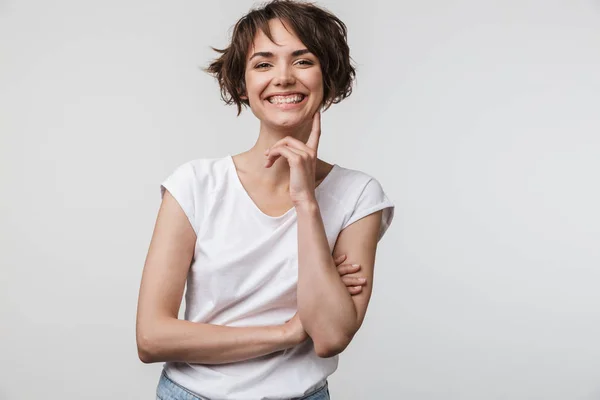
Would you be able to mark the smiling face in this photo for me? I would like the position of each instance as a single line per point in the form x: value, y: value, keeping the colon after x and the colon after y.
x: 284, y: 81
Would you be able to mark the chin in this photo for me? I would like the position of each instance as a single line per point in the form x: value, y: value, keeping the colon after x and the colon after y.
x: 286, y: 119
x: 286, y: 122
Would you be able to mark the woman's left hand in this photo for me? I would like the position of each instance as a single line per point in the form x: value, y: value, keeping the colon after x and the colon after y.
x: 302, y: 159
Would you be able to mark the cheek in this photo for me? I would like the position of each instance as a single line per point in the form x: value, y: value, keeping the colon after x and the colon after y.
x: 316, y: 82
x: 255, y: 85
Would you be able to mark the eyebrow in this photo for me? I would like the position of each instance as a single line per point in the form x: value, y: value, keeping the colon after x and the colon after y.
x: 268, y: 54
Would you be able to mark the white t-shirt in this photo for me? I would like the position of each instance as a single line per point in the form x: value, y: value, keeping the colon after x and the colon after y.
x: 245, y: 272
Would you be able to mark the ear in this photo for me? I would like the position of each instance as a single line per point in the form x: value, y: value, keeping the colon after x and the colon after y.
x: 243, y: 94
x: 242, y: 91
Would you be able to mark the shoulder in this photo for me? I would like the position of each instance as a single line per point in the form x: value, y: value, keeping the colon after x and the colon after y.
x: 192, y: 183
x: 361, y: 194
x: 349, y: 183
x: 205, y: 173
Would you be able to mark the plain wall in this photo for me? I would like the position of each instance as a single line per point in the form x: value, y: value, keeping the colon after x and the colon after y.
x: 480, y: 119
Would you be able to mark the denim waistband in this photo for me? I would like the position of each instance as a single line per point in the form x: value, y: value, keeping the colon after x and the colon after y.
x: 168, y: 389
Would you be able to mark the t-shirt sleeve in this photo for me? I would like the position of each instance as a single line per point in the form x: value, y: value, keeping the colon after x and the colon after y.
x: 181, y: 185
x: 372, y: 199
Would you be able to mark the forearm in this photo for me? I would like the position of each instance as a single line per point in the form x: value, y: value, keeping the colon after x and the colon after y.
x: 325, y: 307
x: 185, y: 341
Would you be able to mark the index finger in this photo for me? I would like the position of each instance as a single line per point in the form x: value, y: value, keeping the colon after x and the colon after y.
x: 315, y: 133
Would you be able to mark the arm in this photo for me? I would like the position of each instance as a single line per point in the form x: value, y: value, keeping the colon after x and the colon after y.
x: 330, y: 315
x: 160, y: 335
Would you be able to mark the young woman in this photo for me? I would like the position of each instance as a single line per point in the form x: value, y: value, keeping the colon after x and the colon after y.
x: 271, y: 242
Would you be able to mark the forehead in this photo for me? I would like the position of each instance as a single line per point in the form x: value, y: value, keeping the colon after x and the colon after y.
x: 283, y: 35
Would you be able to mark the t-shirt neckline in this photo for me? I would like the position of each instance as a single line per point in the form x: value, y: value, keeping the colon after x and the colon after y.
x: 238, y: 183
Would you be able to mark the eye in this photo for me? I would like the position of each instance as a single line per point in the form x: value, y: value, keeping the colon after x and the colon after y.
x: 261, y: 65
x: 306, y: 62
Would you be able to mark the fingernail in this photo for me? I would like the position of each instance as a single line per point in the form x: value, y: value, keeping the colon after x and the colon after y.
x: 356, y: 265
x: 362, y: 279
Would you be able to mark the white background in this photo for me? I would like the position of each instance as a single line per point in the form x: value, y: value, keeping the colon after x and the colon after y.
x: 480, y: 119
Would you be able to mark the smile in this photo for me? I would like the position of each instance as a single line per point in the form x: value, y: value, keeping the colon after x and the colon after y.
x: 289, y: 99
x: 287, y: 102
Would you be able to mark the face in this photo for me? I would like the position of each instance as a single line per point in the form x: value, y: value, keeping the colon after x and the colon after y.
x: 284, y: 82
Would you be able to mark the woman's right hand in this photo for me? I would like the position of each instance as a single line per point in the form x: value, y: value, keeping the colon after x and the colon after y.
x: 294, y: 331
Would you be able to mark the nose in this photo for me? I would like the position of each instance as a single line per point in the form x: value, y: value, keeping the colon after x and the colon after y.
x: 285, y: 76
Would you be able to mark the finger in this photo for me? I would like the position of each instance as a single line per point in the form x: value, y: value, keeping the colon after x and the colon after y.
x: 298, y: 144
x: 274, y: 154
x: 354, y: 290
x: 353, y: 281
x: 315, y: 133
x: 298, y: 151
x: 291, y: 142
x: 340, y: 259
x: 266, y: 153
x: 293, y: 150
x: 284, y: 151
x: 348, y: 269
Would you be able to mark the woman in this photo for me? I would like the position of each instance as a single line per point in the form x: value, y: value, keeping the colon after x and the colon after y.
x: 271, y: 241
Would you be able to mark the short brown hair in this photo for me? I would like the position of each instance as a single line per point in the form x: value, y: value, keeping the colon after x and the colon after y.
x: 324, y: 35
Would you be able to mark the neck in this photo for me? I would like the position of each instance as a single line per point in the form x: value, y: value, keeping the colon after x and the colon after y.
x: 269, y: 135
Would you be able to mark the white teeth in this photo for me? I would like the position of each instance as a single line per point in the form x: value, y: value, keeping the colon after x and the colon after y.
x: 295, y: 98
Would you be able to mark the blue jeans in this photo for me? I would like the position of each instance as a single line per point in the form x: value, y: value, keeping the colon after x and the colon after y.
x: 169, y: 390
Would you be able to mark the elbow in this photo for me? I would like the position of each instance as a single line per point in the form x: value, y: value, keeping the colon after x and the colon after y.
x: 333, y: 348
x: 152, y: 341
x: 334, y: 344
x: 146, y: 348
x: 327, y: 353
